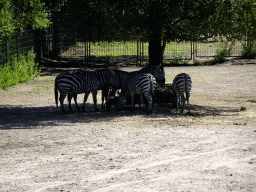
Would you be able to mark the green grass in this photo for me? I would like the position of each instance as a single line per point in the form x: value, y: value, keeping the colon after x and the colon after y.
x: 178, y: 52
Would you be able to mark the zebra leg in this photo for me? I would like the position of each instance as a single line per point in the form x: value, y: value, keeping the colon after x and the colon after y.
x: 62, y: 97
x: 132, y: 101
x: 94, y: 94
x: 188, y: 102
x: 69, y: 101
x: 149, y: 99
x: 112, y: 98
x: 85, y: 99
x: 75, y: 99
x: 103, y: 95
x: 142, y: 103
x: 74, y: 95
x: 182, y: 103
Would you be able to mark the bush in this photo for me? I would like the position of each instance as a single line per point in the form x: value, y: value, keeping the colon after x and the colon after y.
x: 222, y: 54
x: 248, y: 52
x: 178, y: 58
x: 18, y: 70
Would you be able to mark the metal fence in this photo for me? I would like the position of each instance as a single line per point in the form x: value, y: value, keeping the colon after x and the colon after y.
x: 58, y: 45
x: 18, y: 44
x: 133, y: 51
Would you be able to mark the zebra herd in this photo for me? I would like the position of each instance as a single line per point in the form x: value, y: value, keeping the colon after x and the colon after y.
x: 142, y: 82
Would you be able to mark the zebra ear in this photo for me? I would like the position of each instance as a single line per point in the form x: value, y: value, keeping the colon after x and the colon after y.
x: 118, y: 93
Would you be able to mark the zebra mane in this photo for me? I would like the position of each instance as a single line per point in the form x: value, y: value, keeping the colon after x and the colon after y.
x: 150, y: 68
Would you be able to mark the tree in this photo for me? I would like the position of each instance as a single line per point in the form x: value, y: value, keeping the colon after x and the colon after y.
x: 17, y: 15
x: 157, y: 21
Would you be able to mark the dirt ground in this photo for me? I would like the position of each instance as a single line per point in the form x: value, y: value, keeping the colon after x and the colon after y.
x: 213, y: 148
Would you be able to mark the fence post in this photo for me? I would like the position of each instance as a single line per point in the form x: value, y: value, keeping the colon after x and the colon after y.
x: 6, y: 50
x: 140, y: 50
x: 17, y: 46
x: 87, y: 52
x: 37, y: 37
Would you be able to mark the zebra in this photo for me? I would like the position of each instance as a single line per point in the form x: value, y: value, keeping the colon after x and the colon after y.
x: 182, y: 83
x: 105, y: 90
x: 143, y: 83
x: 83, y: 82
x: 157, y: 71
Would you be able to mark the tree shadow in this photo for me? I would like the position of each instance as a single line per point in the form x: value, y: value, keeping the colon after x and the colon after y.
x: 19, y: 117
x: 167, y: 109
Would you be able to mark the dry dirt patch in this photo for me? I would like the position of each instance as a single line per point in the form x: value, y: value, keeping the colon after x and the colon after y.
x: 210, y: 149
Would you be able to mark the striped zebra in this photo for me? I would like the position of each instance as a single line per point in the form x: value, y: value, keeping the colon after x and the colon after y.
x: 182, y: 83
x: 143, y: 84
x: 157, y: 71
x: 105, y: 91
x: 78, y: 82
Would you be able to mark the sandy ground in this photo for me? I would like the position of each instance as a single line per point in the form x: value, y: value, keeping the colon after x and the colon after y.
x: 213, y: 148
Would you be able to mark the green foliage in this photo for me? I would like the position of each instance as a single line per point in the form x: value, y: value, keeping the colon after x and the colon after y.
x: 19, y: 15
x: 249, y: 52
x: 178, y: 58
x: 222, y: 54
x: 199, y: 63
x: 111, y: 61
x: 18, y: 70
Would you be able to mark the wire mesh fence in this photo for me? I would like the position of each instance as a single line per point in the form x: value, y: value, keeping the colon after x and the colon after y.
x: 18, y: 44
x: 137, y: 52
x: 209, y: 48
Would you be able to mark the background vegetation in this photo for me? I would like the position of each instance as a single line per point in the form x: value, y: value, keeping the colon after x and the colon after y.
x: 155, y: 23
x: 17, y: 59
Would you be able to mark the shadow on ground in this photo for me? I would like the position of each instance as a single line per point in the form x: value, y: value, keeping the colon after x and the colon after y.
x: 19, y: 117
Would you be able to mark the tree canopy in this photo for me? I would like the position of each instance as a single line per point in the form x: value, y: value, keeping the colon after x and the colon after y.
x: 153, y: 21
x: 17, y: 15
x: 159, y: 21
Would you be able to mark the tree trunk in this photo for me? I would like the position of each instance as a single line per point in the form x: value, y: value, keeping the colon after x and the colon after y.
x: 155, y: 48
x: 155, y: 52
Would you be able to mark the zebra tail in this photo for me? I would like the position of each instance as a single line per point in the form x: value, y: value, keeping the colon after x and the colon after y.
x: 186, y: 88
x: 56, y: 94
x: 151, y: 88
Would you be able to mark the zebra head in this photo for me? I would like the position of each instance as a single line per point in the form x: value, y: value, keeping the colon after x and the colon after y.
x: 159, y: 74
x: 176, y: 98
x: 157, y: 71
x: 121, y: 101
x: 113, y: 79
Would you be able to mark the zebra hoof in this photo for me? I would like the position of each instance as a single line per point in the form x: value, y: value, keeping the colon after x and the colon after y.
x: 63, y: 112
x: 97, y: 110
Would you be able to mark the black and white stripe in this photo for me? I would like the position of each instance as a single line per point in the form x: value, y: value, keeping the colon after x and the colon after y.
x: 182, y: 84
x: 157, y: 71
x: 142, y: 84
x: 83, y: 82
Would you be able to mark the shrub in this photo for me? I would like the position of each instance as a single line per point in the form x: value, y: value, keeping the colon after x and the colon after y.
x: 178, y: 58
x: 18, y: 70
x: 249, y: 52
x: 222, y: 54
